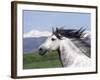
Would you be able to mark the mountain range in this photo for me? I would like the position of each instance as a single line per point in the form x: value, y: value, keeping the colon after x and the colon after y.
x: 32, y: 44
x: 33, y: 39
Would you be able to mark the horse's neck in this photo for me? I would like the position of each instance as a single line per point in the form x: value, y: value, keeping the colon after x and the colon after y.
x: 68, y: 47
x: 68, y: 52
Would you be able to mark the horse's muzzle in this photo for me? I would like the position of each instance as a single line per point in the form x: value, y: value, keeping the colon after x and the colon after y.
x: 42, y: 51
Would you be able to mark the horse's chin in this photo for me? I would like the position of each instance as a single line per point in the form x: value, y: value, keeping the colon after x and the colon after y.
x: 43, y: 52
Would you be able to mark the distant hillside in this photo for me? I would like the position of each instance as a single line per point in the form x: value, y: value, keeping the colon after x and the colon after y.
x: 33, y: 39
x: 32, y: 44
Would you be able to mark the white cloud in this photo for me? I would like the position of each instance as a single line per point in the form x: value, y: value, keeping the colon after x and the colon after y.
x: 36, y: 33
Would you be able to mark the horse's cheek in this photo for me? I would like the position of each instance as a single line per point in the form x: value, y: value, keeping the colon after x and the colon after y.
x: 47, y: 44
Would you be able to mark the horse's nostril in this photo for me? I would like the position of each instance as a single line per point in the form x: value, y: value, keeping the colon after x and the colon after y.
x: 40, y: 49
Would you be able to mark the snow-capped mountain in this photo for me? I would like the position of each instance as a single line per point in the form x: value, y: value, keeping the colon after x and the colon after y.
x: 36, y: 33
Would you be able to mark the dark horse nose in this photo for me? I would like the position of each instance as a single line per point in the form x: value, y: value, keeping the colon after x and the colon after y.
x: 40, y: 49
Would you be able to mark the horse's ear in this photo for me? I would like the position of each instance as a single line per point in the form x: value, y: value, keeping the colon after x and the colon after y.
x: 57, y: 29
x: 52, y: 30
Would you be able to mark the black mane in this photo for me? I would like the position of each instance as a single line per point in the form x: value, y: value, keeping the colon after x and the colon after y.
x: 69, y: 33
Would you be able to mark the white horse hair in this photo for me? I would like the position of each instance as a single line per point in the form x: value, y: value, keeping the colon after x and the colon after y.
x: 70, y: 55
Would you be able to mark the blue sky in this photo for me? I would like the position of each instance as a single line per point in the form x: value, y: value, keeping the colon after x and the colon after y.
x: 45, y: 20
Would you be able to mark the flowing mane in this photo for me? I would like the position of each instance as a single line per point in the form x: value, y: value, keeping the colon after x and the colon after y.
x: 76, y: 37
x: 69, y: 33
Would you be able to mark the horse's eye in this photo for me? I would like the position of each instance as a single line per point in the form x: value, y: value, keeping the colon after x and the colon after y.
x: 53, y: 39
